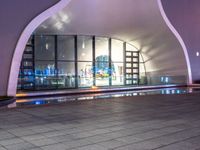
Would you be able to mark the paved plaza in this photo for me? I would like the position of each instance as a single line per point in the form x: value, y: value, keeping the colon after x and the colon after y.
x: 153, y: 122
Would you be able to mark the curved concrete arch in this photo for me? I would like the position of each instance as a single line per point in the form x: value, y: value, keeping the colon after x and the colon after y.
x: 177, y: 35
x: 16, y: 60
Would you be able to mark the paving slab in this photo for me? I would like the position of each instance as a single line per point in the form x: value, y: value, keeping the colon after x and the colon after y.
x: 123, y: 123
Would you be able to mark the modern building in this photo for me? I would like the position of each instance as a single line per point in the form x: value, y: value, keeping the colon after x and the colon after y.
x: 71, y: 44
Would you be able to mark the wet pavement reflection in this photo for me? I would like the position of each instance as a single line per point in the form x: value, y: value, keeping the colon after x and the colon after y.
x: 63, y: 99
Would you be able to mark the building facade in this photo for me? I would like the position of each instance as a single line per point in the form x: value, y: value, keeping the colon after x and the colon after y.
x: 76, y: 44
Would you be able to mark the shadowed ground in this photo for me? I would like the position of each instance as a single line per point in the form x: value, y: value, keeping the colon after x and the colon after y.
x: 163, y: 122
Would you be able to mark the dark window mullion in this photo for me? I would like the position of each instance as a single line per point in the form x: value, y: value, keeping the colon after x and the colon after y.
x: 124, y: 51
x: 33, y: 57
x: 76, y: 60
x: 56, y: 59
x: 110, y: 61
x: 138, y: 68
x: 93, y: 62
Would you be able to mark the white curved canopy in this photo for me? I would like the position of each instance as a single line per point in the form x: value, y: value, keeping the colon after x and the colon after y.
x: 136, y: 21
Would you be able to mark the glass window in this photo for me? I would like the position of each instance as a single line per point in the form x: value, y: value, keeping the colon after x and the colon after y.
x: 28, y: 49
x: 28, y: 72
x: 117, y: 54
x: 27, y: 56
x: 129, y: 65
x: 135, y: 54
x: 128, y: 53
x: 135, y: 59
x: 117, y: 74
x: 141, y: 58
x: 129, y: 82
x: 84, y: 48
x: 66, y: 74
x: 128, y: 59
x: 45, y: 77
x: 102, y: 48
x: 44, y: 47
x: 44, y: 68
x: 135, y: 65
x: 135, y: 76
x: 142, y: 74
x: 102, y: 58
x: 66, y: 48
x: 30, y: 41
x: 85, y: 74
x: 27, y: 83
x: 130, y: 47
x: 28, y: 63
x: 129, y: 76
x: 135, y: 70
x: 102, y: 73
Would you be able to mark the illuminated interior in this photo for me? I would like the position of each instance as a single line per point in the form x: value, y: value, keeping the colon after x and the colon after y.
x: 63, y: 62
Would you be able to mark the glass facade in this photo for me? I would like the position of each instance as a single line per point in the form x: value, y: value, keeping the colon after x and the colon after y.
x: 63, y: 62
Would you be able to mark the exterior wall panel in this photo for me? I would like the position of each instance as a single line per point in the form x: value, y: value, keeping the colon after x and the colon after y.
x: 184, y: 16
x: 14, y: 16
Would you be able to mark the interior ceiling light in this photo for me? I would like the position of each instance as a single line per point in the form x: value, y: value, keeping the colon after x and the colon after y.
x: 197, y: 54
x: 65, y: 18
x: 44, y: 26
x: 47, y: 46
x: 59, y: 25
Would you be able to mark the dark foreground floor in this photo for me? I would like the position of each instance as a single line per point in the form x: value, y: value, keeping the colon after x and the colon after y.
x: 163, y: 122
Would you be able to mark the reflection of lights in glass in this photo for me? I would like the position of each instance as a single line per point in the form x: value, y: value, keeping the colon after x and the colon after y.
x: 178, y: 92
x: 167, y: 91
x: 83, y: 54
x: 134, y: 82
x: 94, y: 87
x: 162, y: 79
x: 29, y: 73
x: 173, y: 91
x: 162, y: 91
x: 83, y: 44
x: 47, y: 46
x: 38, y: 103
x: 166, y: 79
x: 190, y: 90
x: 197, y: 54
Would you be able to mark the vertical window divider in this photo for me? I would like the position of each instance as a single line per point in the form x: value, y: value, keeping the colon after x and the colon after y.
x: 76, y: 59
x: 132, y: 81
x: 93, y: 61
x: 110, y: 61
x: 56, y: 59
x: 124, y: 62
x: 22, y: 74
x: 138, y: 67
x: 33, y: 60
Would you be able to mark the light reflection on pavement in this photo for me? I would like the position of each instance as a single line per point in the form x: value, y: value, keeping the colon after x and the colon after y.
x: 63, y: 99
